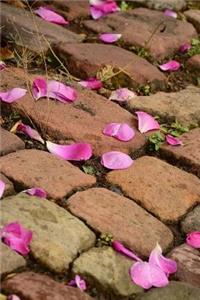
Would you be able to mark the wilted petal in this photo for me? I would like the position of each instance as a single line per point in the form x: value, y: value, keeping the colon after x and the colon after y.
x: 79, y: 151
x: 39, y: 88
x: 171, y: 65
x: 2, y: 188
x: 12, y: 95
x: 32, y: 133
x: 193, y: 239
x: 61, y: 92
x: 50, y: 16
x: 109, y: 37
x: 121, y: 131
x: 38, y: 192
x: 171, y: 140
x: 168, y: 265
x: 2, y: 65
x: 170, y: 13
x: 91, y: 83
x: 81, y: 284
x: 147, y: 275
x: 146, y: 122
x: 122, y: 94
x: 184, y: 48
x: 121, y: 249
x: 116, y: 160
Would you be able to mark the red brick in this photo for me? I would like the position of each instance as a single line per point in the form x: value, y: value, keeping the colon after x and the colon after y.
x: 9, y: 142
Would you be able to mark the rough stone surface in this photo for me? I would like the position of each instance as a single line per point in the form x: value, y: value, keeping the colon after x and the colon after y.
x: 32, y: 168
x: 162, y: 189
x: 84, y: 60
x: 188, y: 154
x: 191, y: 221
x: 30, y: 30
x: 73, y: 9
x: 138, y: 25
x: 193, y: 16
x: 108, y: 212
x: 10, y: 260
x: 9, y: 188
x: 194, y: 63
x: 182, y: 106
x: 9, y: 142
x: 108, y: 270
x: 81, y: 121
x: 174, y: 291
x: 188, y: 264
x: 57, y: 235
x: 33, y: 286
x: 162, y: 4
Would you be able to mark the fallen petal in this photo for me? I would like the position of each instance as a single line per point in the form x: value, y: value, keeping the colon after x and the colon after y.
x: 79, y: 151
x: 121, y: 249
x: 184, y: 48
x: 146, y: 122
x: 61, y: 92
x: 171, y: 65
x: 122, y: 94
x: 32, y: 133
x: 2, y: 65
x: 39, y: 88
x: 171, y: 140
x: 116, y: 160
x: 109, y: 37
x: 99, y: 9
x: 38, y: 192
x: 121, y: 131
x: 13, y: 297
x: 12, y: 95
x: 50, y: 16
x: 170, y: 13
x: 96, y: 13
x: 2, y: 188
x: 193, y: 239
x: 91, y: 83
x: 81, y: 284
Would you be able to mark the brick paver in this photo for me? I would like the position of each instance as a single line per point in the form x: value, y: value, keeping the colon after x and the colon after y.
x: 162, y: 4
x: 193, y: 15
x: 9, y: 188
x: 194, y: 63
x: 191, y: 221
x: 9, y: 142
x: 71, y: 10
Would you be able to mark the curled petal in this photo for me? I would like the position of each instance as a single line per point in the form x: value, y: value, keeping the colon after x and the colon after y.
x: 39, y: 88
x: 121, y: 249
x: 32, y: 133
x: 2, y: 65
x: 122, y: 94
x: 91, y: 83
x: 146, y: 122
x: 99, y: 9
x: 77, y: 152
x: 147, y: 275
x: 121, y: 131
x: 184, y: 48
x: 2, y: 188
x: 171, y: 140
x: 12, y: 95
x: 38, y: 192
x: 79, y: 282
x: 170, y: 13
x: 171, y: 65
x: 116, y: 160
x: 50, y: 16
x: 96, y: 13
x: 193, y: 239
x: 61, y: 92
x: 110, y: 37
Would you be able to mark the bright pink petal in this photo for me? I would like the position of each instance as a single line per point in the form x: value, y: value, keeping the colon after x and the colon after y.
x: 109, y: 37
x: 13, y: 297
x: 12, y: 95
x: 50, y: 16
x: 39, y: 88
x: 171, y: 65
x: 116, y: 160
x: 170, y: 13
x: 72, y: 282
x: 121, y: 131
x: 122, y: 94
x: 2, y: 188
x: 79, y: 151
x: 96, y: 13
x: 32, y: 133
x: 171, y: 140
x: 184, y: 48
x: 147, y: 275
x: 38, y: 192
x: 99, y: 9
x: 61, y: 92
x: 193, y: 239
x: 81, y: 284
x: 121, y: 249
x: 2, y: 65
x: 168, y: 265
x: 91, y: 83
x: 146, y: 122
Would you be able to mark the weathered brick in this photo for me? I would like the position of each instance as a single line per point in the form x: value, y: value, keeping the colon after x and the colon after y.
x: 73, y: 9
x: 193, y: 63
x: 9, y: 142
x: 163, y: 4
x: 191, y: 221
x: 193, y: 16
x: 9, y: 188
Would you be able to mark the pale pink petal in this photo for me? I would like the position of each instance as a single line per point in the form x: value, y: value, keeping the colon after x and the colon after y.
x: 184, y: 48
x: 147, y: 275
x: 91, y: 83
x: 116, y: 160
x: 193, y: 239
x: 121, y: 249
x: 32, y: 133
x: 2, y: 65
x: 171, y: 140
x: 146, y: 122
x: 121, y: 131
x: 2, y: 188
x: 39, y: 88
x: 171, y: 65
x: 170, y: 13
x: 168, y: 265
x: 110, y: 37
x: 122, y: 94
x: 96, y: 13
x: 12, y: 95
x: 103, y: 8
x: 38, y: 192
x: 50, y: 16
x: 13, y: 297
x: 81, y: 284
x: 79, y: 151
x: 96, y: 2
x: 61, y: 92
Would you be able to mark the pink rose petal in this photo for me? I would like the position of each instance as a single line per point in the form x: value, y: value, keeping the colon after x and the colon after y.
x: 13, y: 297
x: 147, y: 275
x: 79, y: 151
x: 170, y: 13
x: 121, y: 131
x: 12, y: 95
x: 146, y: 122
x: 122, y: 94
x: 2, y: 65
x: 171, y: 65
x: 193, y: 239
x: 91, y: 83
x: 184, y: 48
x: 96, y: 13
x: 168, y: 265
x: 61, y: 92
x: 79, y: 282
x: 121, y: 249
x: 99, y: 9
x: 2, y: 188
x: 116, y: 160
x: 109, y: 37
x: 39, y: 88
x: 38, y: 192
x: 32, y: 133
x: 171, y: 140
x: 50, y: 16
